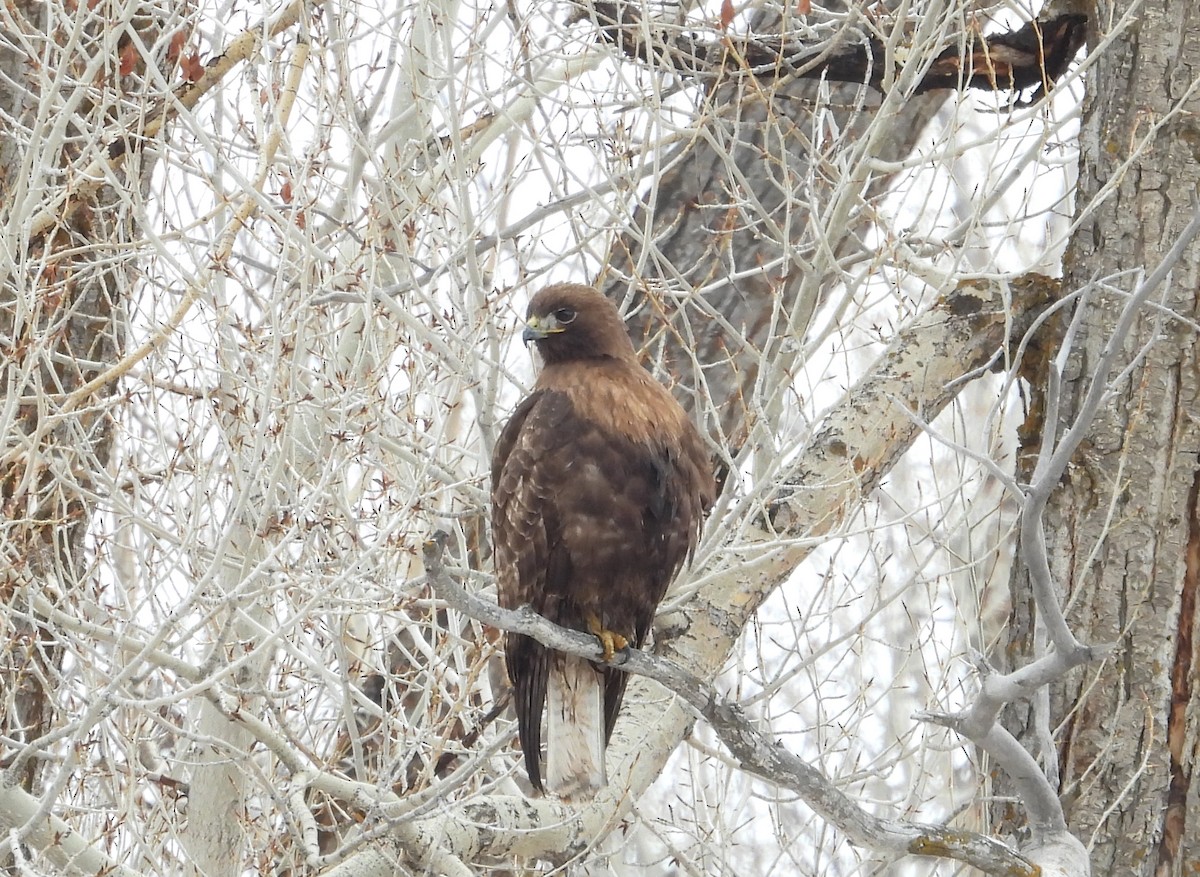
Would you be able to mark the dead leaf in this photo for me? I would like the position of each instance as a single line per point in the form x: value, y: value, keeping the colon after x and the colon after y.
x: 175, y: 47
x: 191, y: 67
x: 129, y: 58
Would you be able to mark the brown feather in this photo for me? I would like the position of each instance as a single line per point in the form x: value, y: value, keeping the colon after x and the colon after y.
x: 600, y: 483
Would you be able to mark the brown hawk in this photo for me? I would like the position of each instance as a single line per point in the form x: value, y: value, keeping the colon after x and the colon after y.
x: 600, y: 483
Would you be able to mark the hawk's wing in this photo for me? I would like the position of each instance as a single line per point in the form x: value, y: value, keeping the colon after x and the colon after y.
x: 525, y: 527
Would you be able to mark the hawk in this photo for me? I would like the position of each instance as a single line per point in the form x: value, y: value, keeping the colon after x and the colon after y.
x: 600, y: 484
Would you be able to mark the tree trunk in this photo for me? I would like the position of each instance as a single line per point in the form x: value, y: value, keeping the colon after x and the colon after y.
x: 1123, y: 530
x: 58, y: 318
x: 61, y: 325
x: 702, y: 232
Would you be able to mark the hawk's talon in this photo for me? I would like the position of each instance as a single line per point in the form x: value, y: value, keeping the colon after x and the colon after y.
x: 611, y: 641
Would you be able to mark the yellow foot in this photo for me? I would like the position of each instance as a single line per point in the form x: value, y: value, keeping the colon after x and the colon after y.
x: 611, y: 641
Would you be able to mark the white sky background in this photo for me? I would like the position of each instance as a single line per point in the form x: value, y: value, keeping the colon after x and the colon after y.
x: 365, y: 420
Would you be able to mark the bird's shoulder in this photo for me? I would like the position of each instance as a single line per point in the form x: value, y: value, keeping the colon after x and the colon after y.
x: 618, y: 397
x: 610, y: 422
x: 541, y: 417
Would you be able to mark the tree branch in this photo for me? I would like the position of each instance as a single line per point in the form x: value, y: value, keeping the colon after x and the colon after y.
x: 970, y: 329
x: 149, y: 123
x: 1034, y: 56
x: 756, y: 753
x: 54, y: 839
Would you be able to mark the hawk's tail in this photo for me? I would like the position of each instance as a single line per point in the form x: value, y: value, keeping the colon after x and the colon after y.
x: 575, y: 736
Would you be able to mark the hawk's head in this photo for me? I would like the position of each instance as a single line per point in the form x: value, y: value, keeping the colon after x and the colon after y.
x: 570, y: 321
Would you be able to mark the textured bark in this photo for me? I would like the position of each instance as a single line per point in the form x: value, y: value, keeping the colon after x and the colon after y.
x: 1123, y: 528
x: 753, y: 169
x: 56, y: 312
x: 61, y: 323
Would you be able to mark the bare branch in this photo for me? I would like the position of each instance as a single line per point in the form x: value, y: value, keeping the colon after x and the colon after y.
x: 149, y: 124
x: 1034, y: 56
x: 756, y: 752
x: 52, y: 837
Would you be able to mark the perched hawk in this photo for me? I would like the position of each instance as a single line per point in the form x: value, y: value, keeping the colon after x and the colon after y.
x: 600, y: 483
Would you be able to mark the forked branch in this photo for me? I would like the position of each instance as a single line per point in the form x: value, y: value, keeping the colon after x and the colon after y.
x: 979, y: 722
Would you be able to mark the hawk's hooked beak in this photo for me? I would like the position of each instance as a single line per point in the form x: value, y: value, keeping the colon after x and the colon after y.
x: 537, y: 328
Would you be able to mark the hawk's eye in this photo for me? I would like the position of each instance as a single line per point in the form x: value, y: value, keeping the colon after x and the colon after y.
x: 564, y: 316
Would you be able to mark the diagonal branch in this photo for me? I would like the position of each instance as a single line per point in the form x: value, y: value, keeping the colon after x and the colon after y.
x: 51, y: 837
x: 967, y: 332
x: 756, y: 752
x: 1034, y: 56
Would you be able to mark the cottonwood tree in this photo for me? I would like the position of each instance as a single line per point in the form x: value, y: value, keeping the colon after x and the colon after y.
x: 921, y: 271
